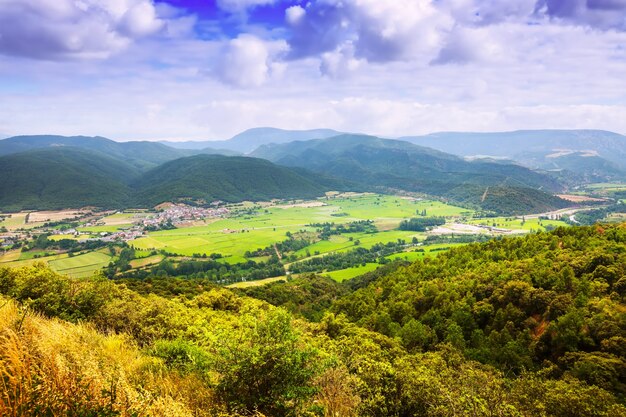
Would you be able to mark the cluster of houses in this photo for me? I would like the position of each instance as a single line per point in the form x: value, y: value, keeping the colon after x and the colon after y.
x: 181, y: 213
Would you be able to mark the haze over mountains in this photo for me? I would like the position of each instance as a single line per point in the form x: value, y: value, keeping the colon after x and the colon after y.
x: 57, y: 172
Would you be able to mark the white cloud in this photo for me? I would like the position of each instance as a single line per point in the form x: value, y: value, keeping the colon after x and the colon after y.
x: 247, y: 61
x: 340, y: 63
x: 62, y: 29
x: 294, y: 14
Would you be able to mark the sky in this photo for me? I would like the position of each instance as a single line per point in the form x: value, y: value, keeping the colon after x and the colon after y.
x: 208, y: 69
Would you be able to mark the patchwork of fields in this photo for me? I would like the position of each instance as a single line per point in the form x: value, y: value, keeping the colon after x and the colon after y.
x: 257, y: 226
x: 233, y: 237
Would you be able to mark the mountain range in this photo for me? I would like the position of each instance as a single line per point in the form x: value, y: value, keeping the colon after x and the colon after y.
x: 402, y: 165
x: 505, y: 173
x: 68, y: 177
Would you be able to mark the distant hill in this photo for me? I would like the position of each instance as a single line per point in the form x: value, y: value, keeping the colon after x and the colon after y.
x: 398, y: 164
x: 142, y: 154
x: 251, y: 139
x: 213, y: 177
x: 62, y: 178
x: 575, y: 167
x: 540, y: 144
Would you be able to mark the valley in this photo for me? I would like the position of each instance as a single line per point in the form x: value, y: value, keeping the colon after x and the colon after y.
x: 240, y: 233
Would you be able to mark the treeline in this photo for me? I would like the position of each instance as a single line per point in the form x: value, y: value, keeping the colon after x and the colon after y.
x: 69, y: 245
x: 421, y: 224
x: 210, y: 269
x: 328, y: 229
x: 589, y: 217
x: 290, y: 245
x: 352, y: 258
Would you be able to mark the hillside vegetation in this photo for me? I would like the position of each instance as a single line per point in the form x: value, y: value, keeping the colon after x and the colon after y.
x: 65, y: 177
x: 212, y: 177
x: 531, y: 326
x: 402, y: 165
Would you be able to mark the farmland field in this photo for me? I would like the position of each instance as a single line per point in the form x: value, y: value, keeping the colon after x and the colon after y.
x: 82, y: 265
x: 518, y: 223
x: 233, y: 237
x: 345, y: 274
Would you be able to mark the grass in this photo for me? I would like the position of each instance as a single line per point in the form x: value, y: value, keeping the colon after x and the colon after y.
x: 67, y: 369
x: 15, y: 221
x: 147, y: 261
x: 12, y: 259
x: 102, y: 229
x: 518, y: 223
x: 256, y: 283
x: 82, y: 265
x: 345, y: 274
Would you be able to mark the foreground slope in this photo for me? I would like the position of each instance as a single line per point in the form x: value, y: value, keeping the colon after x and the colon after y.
x: 63, y: 178
x: 506, y: 188
x: 213, y: 177
x: 522, y: 327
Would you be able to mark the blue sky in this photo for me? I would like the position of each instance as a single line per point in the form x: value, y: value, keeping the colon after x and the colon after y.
x: 208, y: 69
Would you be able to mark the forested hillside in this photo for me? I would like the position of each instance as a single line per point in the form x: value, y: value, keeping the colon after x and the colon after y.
x: 532, y: 326
x: 66, y: 177
x: 63, y: 178
x: 212, y: 177
x: 402, y: 165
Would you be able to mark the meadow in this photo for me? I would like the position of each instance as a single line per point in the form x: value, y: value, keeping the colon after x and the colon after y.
x: 233, y: 237
x: 81, y: 266
x: 515, y: 223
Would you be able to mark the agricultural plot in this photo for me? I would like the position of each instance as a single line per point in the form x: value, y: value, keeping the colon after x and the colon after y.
x: 257, y: 283
x: 345, y: 274
x: 82, y: 265
x: 233, y: 237
x: 147, y: 261
x: 13, y: 221
x: 12, y: 259
x: 530, y: 224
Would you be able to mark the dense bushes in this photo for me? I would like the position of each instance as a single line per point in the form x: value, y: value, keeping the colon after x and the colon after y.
x: 530, y: 326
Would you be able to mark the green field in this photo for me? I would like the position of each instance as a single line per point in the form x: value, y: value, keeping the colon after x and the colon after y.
x: 256, y: 283
x: 82, y: 265
x: 518, y: 223
x: 345, y: 274
x: 233, y: 237
x: 12, y: 259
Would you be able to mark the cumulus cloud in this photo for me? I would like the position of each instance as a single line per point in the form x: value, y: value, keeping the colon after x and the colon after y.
x: 62, y: 29
x: 467, y: 44
x: 380, y: 31
x: 248, y: 61
x: 294, y: 14
x: 340, y: 63
x: 601, y: 14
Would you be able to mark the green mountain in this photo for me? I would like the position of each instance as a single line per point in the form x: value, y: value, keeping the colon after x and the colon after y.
x: 608, y: 145
x: 247, y: 141
x: 398, y: 164
x: 143, y: 155
x: 575, y: 167
x: 66, y: 177
x: 62, y: 178
x: 213, y: 177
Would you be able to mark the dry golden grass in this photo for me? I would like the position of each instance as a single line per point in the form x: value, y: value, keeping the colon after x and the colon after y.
x: 52, y: 368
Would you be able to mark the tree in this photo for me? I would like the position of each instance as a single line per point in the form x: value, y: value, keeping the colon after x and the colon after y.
x: 264, y: 365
